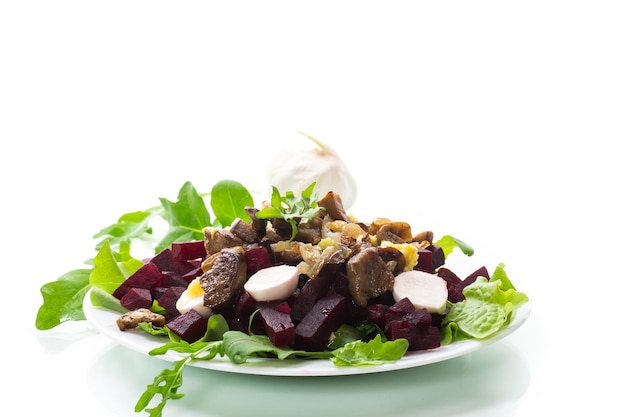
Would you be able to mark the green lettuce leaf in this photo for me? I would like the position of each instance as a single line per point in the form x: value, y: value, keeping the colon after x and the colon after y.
x: 487, y: 307
x: 63, y: 299
x: 374, y: 352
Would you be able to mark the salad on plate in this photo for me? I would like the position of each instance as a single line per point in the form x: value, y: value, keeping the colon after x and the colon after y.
x: 295, y: 278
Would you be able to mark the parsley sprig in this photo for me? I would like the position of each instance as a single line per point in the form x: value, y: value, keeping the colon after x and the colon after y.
x: 291, y: 208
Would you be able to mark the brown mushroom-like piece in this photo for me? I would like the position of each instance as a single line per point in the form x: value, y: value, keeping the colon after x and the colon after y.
x: 244, y: 231
x: 368, y: 276
x: 331, y: 202
x: 394, y: 259
x: 131, y: 319
x: 395, y: 232
x: 217, y: 239
x: 224, y: 281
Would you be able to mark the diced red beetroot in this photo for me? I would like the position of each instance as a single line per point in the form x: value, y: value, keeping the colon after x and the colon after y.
x: 191, y: 275
x: 311, y: 292
x: 169, y: 298
x: 439, y: 257
x: 172, y: 279
x: 239, y: 316
x: 189, y: 326
x: 167, y: 262
x: 375, y: 313
x: 400, y: 329
x: 283, y: 307
x: 419, y: 338
x: 137, y: 298
x: 187, y: 251
x: 480, y: 272
x: 419, y: 317
x: 427, y: 338
x: 164, y: 261
x: 455, y: 285
x: 403, y: 320
x: 424, y: 260
x: 148, y: 276
x: 157, y: 292
x: 257, y: 258
x: 314, y: 331
x: 278, y: 326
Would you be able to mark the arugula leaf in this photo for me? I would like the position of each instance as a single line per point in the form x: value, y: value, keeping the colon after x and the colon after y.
x: 229, y: 200
x: 186, y: 217
x: 108, y: 273
x: 168, y: 381
x: 448, y: 243
x: 290, y: 208
x: 63, y: 299
x: 135, y: 225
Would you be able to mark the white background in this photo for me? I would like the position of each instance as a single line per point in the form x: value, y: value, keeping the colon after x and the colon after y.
x: 498, y: 122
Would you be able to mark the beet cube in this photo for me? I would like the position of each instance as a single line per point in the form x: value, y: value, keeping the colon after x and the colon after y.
x: 439, y: 257
x: 314, y: 331
x: 257, y: 258
x: 169, y: 298
x: 148, y: 276
x: 480, y: 272
x: 375, y: 313
x: 172, y: 279
x: 187, y: 251
x: 240, y: 314
x: 189, y: 326
x: 312, y: 291
x: 424, y: 260
x: 191, y: 275
x: 283, y: 307
x: 427, y: 338
x: 278, y: 326
x: 399, y: 312
x: 137, y: 298
x: 455, y: 285
x: 164, y: 261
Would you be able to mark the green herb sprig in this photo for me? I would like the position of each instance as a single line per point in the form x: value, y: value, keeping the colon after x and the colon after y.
x: 240, y: 347
x: 113, y: 263
x: 291, y: 208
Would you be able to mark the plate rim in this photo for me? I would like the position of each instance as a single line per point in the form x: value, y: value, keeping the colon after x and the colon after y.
x: 104, y: 321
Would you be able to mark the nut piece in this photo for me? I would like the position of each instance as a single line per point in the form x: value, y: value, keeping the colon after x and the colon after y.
x: 132, y: 319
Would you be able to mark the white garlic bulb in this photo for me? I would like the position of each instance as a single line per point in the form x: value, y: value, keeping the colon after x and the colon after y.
x: 294, y: 170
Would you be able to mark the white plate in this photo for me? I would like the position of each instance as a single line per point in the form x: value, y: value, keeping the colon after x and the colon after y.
x: 105, y: 321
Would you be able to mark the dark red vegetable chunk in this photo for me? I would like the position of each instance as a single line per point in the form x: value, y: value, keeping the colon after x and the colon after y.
x: 455, y: 285
x: 257, y: 258
x: 137, y: 298
x: 471, y: 278
x: 187, y: 251
x: 148, y: 276
x: 375, y: 313
x: 189, y: 326
x: 168, y: 299
x: 312, y: 291
x: 403, y: 320
x: 278, y: 326
x: 424, y: 260
x: 314, y: 331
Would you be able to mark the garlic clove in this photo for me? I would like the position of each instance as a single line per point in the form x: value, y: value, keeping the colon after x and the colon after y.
x: 294, y: 170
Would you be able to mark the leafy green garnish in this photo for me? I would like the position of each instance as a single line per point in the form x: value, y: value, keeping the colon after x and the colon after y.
x: 374, y: 352
x: 113, y: 262
x: 63, y: 299
x: 239, y: 347
x: 486, y: 309
x: 229, y: 201
x: 448, y: 243
x: 290, y: 208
